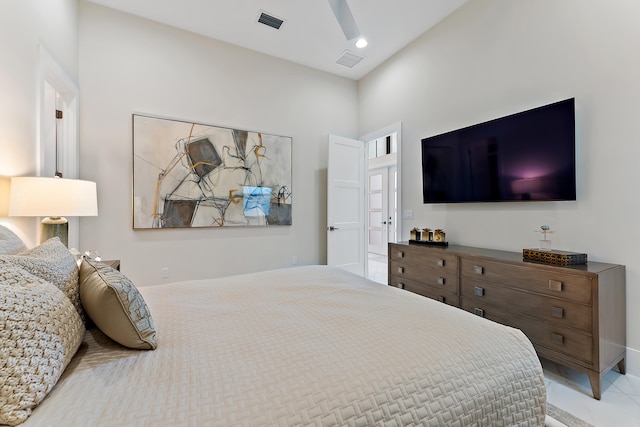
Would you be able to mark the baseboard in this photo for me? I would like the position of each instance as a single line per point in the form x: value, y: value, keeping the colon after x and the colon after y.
x: 632, y: 362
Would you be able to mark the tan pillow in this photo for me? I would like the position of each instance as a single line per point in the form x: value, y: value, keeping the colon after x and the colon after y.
x: 52, y: 262
x: 115, y: 305
x: 40, y: 331
x: 9, y: 242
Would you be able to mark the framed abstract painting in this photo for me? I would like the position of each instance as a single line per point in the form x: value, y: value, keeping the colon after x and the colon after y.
x: 189, y: 175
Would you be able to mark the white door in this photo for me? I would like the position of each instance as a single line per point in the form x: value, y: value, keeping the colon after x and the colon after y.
x: 345, y: 204
x: 382, y: 208
x: 378, y: 210
x: 392, y: 213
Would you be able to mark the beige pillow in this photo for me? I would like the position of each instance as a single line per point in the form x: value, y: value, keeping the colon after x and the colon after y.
x: 9, y: 242
x: 52, y: 262
x: 40, y: 331
x: 115, y: 305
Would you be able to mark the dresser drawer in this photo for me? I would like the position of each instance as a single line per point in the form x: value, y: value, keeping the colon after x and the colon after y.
x: 559, y: 284
x: 555, y: 310
x: 424, y: 257
x: 568, y: 341
x: 438, y: 294
x: 429, y: 276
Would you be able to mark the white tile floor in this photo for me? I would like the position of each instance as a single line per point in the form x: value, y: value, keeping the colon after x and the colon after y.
x: 378, y: 268
x: 568, y: 389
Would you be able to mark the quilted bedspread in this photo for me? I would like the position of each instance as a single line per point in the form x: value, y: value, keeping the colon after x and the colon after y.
x: 296, y: 347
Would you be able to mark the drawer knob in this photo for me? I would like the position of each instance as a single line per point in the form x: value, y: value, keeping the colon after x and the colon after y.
x: 557, y: 339
x: 555, y: 285
x: 478, y: 269
x: 478, y: 312
x: 441, y: 298
x: 478, y: 291
x: 441, y: 281
x: 400, y: 270
x: 401, y: 285
x: 441, y: 262
x: 400, y: 254
x: 557, y: 312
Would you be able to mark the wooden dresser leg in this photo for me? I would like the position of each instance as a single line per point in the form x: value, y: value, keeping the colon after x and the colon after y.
x: 621, y: 367
x: 596, y: 384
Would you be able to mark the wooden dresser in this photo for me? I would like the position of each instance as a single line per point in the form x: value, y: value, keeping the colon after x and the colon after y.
x: 574, y: 315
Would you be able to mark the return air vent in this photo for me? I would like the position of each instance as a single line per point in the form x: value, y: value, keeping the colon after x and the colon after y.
x: 349, y: 59
x: 270, y: 20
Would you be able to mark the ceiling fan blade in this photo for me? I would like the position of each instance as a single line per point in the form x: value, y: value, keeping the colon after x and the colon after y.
x: 345, y: 18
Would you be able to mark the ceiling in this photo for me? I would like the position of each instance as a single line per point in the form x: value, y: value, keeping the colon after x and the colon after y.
x: 310, y: 34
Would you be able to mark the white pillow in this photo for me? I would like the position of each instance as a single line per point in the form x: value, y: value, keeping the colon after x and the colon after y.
x: 52, y: 262
x: 9, y: 242
x: 40, y: 331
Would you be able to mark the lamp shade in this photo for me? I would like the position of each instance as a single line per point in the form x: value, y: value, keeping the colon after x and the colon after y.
x: 52, y: 197
x: 5, y: 183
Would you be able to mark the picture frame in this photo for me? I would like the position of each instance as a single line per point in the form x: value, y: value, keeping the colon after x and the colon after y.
x: 191, y: 175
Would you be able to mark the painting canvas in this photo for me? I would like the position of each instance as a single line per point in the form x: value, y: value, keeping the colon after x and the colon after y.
x: 196, y: 175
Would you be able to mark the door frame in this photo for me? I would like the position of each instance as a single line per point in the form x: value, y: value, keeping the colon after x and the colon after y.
x: 51, y: 74
x: 388, y: 130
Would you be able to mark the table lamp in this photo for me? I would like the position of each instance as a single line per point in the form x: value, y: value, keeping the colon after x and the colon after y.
x: 53, y: 198
x: 5, y: 183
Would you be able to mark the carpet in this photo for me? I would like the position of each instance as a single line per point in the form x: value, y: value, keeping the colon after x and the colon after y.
x: 556, y: 417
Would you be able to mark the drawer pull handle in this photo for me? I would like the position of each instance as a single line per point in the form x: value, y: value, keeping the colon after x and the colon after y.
x: 557, y: 339
x: 441, y: 281
x: 400, y: 270
x: 478, y: 312
x: 441, y: 298
x: 555, y: 285
x: 478, y: 269
x: 400, y: 254
x: 478, y: 291
x: 557, y: 312
x: 401, y: 285
x: 441, y: 262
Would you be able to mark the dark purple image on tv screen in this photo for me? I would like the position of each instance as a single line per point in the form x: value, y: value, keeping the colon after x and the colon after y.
x: 524, y: 156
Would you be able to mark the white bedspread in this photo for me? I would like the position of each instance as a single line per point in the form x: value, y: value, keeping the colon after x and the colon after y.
x: 302, y: 346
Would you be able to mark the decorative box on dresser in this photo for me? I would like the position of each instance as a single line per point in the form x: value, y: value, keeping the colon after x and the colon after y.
x: 573, y: 315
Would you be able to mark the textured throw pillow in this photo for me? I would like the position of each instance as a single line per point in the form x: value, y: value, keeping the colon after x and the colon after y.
x: 9, y: 242
x: 115, y: 305
x: 40, y: 331
x: 52, y: 262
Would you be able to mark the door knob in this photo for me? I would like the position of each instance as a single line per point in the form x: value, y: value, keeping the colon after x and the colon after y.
x: 332, y: 228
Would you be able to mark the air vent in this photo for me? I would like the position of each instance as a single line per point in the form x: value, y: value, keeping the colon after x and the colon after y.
x: 349, y: 59
x: 270, y: 20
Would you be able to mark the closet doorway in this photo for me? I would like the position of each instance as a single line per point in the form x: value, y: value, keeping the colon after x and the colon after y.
x: 383, y: 198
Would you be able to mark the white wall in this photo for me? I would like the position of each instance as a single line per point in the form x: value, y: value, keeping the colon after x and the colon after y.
x: 495, y: 57
x: 25, y: 26
x: 129, y: 65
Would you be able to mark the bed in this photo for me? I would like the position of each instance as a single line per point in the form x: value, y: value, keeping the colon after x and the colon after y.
x: 310, y: 345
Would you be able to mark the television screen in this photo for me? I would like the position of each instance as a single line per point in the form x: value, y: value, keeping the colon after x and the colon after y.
x: 524, y: 156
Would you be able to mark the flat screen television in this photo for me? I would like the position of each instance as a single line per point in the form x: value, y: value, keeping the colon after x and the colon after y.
x: 521, y: 157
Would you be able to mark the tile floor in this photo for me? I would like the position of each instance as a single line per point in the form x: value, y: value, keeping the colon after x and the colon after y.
x: 378, y: 268
x: 568, y: 389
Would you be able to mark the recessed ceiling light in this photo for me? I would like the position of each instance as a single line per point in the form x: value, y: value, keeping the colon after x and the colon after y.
x: 361, y: 43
